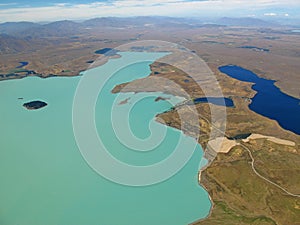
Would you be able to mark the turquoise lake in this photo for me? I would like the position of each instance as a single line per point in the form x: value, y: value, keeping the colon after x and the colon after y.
x: 44, y: 178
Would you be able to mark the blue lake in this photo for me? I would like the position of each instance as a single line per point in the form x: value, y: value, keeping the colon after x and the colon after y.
x: 216, y: 101
x: 22, y: 65
x: 106, y: 51
x: 269, y: 101
x: 44, y: 178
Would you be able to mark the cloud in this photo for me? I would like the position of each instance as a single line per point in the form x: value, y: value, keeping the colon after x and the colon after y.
x: 8, y: 4
x: 61, y: 4
x: 199, y: 8
x: 270, y: 14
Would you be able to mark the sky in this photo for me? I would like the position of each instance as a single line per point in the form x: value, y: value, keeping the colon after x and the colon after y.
x: 53, y: 10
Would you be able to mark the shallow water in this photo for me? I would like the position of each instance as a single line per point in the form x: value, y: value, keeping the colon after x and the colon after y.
x: 44, y: 178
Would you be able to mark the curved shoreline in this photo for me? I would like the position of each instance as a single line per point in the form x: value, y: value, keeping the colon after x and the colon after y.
x: 268, y: 101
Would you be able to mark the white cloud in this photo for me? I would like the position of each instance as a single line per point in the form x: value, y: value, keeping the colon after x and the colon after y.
x: 270, y: 14
x: 8, y: 4
x: 143, y: 7
x: 61, y: 4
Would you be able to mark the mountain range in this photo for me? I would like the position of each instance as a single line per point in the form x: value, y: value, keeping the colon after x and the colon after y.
x: 19, y: 36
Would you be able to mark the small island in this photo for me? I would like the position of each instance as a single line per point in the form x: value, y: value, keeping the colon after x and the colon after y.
x: 161, y: 99
x: 34, y: 105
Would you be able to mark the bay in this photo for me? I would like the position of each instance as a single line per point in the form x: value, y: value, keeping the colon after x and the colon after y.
x: 44, y: 178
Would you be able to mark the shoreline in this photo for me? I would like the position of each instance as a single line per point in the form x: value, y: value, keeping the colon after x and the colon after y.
x: 251, y: 137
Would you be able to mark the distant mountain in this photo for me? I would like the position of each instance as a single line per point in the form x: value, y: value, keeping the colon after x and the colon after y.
x: 34, y: 30
x: 63, y: 28
x: 10, y: 44
x: 108, y: 22
x: 140, y: 21
x: 120, y: 22
x: 16, y: 27
x: 29, y: 32
x: 245, y: 22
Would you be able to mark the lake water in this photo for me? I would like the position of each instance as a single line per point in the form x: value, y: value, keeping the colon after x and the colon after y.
x: 44, y: 178
x: 269, y: 101
x: 106, y: 51
x: 216, y: 101
x: 22, y: 65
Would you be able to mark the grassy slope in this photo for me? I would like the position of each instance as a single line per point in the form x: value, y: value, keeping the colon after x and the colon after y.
x: 241, y: 197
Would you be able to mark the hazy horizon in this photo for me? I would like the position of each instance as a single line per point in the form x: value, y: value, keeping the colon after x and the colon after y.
x: 53, y: 10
